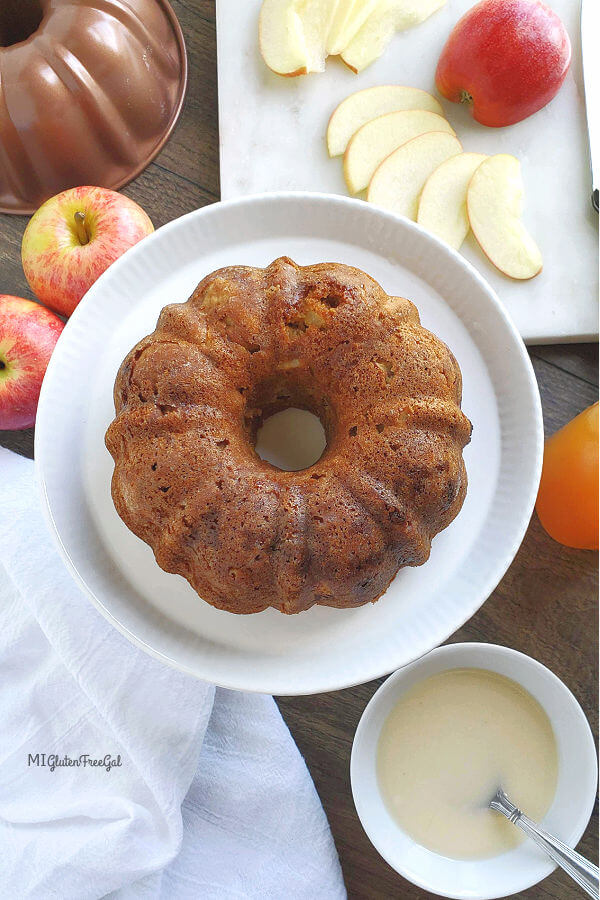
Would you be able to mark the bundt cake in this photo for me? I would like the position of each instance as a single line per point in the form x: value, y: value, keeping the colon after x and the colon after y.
x: 89, y: 91
x: 250, y: 342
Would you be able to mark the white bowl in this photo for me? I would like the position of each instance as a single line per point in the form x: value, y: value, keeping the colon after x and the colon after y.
x: 525, y: 865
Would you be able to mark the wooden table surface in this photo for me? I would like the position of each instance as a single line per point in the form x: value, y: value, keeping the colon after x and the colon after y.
x: 545, y: 606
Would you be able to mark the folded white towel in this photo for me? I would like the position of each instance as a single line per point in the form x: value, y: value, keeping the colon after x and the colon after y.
x: 208, y: 796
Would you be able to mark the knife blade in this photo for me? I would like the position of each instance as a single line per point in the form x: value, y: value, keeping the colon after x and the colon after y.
x: 590, y: 30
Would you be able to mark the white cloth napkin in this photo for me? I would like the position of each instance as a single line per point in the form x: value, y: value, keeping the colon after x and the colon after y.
x: 211, y: 799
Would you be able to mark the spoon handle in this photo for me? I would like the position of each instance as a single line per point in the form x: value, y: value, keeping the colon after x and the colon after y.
x: 577, y: 866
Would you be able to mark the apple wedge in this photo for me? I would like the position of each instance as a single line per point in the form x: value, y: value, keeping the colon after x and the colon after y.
x: 280, y: 38
x: 349, y: 18
x: 363, y: 106
x: 315, y: 18
x: 443, y: 200
x: 388, y: 17
x: 398, y: 181
x: 494, y: 207
x: 381, y: 136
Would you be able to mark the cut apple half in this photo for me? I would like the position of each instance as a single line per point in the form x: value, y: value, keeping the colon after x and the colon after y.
x: 363, y: 106
x: 315, y: 19
x: 494, y: 207
x: 349, y: 17
x: 375, y: 140
x: 443, y: 201
x: 280, y: 38
x: 389, y: 16
x: 398, y: 181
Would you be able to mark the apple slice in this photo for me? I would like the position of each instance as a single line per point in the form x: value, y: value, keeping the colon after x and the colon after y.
x: 280, y: 38
x: 363, y: 106
x: 398, y: 181
x: 388, y: 17
x: 350, y: 16
x: 381, y: 136
x: 443, y: 201
x: 315, y: 18
x: 494, y: 207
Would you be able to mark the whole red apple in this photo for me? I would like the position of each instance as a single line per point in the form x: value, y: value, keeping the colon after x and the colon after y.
x: 28, y: 334
x: 73, y: 238
x: 507, y: 58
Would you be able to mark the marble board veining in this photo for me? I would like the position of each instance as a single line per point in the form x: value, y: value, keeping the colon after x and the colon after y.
x: 272, y: 137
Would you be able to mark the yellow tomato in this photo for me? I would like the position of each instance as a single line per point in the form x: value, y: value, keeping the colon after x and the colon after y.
x: 567, y: 502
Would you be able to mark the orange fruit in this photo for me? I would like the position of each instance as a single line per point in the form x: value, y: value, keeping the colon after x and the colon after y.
x: 567, y: 502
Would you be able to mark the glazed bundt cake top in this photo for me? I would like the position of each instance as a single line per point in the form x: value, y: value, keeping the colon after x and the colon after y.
x: 190, y: 398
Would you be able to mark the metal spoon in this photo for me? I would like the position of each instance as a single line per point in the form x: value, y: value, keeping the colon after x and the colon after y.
x: 580, y: 869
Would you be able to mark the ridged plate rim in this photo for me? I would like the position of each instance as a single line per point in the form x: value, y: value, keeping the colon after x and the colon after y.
x: 258, y: 673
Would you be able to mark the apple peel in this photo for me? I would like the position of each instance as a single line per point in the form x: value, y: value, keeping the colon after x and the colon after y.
x: 443, y: 201
x: 398, y: 181
x: 506, y: 59
x: 73, y: 238
x: 388, y: 17
x: 494, y: 207
x: 366, y: 105
x: 375, y: 140
x: 280, y: 38
x: 28, y: 335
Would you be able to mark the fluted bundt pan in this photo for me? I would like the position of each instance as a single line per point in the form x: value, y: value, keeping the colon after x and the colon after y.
x: 90, y: 91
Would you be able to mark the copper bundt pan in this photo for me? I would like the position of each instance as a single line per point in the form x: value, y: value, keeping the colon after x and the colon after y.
x: 90, y: 91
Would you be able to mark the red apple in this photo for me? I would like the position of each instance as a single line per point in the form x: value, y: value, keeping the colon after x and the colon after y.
x: 28, y: 333
x: 73, y: 238
x: 507, y: 58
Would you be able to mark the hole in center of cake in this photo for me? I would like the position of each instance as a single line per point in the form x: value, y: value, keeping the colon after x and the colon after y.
x: 292, y: 439
x: 19, y: 19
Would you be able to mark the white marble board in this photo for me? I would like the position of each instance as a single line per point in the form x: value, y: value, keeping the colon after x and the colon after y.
x: 272, y: 137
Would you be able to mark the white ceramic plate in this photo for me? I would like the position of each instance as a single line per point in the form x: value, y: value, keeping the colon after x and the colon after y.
x: 525, y: 865
x: 321, y: 649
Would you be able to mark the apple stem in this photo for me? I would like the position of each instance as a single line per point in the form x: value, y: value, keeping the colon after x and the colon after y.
x: 81, y: 228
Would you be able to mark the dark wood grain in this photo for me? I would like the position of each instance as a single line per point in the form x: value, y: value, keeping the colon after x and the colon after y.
x: 546, y: 605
